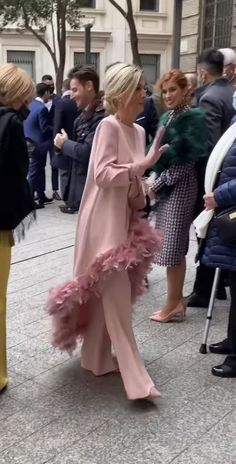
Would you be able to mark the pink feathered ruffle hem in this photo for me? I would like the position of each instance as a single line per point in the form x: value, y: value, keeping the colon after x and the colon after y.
x: 67, y: 303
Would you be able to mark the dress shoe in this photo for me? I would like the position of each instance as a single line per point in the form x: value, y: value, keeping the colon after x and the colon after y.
x: 223, y: 370
x: 47, y: 200
x: 39, y: 205
x: 56, y: 195
x: 221, y: 347
x: 67, y: 210
x: 196, y: 301
x: 221, y: 294
x: 177, y: 313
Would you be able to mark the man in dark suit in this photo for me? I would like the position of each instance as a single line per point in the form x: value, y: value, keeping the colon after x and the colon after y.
x: 66, y: 112
x: 39, y: 131
x: 215, y: 96
x: 51, y: 105
x: 148, y: 119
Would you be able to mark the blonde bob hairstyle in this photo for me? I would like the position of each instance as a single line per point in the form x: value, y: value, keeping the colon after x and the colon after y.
x: 120, y: 79
x: 16, y: 86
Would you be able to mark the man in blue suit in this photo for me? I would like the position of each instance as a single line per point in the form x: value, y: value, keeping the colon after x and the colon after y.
x: 51, y: 106
x: 66, y: 111
x: 39, y: 131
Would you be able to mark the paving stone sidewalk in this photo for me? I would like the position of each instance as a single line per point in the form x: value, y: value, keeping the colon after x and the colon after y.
x: 55, y: 413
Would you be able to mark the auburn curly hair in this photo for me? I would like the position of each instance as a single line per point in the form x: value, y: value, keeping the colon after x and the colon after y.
x: 176, y: 75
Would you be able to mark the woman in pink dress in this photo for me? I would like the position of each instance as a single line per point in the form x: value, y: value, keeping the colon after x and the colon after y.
x: 114, y: 247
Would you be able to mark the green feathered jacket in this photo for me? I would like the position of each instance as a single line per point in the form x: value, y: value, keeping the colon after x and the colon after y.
x: 187, y: 138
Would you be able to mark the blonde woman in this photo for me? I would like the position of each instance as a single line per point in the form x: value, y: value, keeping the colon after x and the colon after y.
x: 114, y: 248
x: 16, y: 91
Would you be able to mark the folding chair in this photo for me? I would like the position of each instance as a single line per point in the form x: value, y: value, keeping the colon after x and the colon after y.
x: 203, y: 347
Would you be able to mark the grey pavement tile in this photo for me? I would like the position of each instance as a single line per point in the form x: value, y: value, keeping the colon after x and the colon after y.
x: 15, y: 379
x: 8, y: 406
x: 28, y: 391
x: 25, y: 422
x: 7, y: 437
x: 59, y: 413
x: 195, y: 457
x: 53, y: 438
x: 15, y: 454
x: 103, y: 445
x: 14, y: 338
x: 42, y: 362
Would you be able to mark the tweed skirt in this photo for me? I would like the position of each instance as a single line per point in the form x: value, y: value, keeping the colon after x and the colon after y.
x: 174, y: 216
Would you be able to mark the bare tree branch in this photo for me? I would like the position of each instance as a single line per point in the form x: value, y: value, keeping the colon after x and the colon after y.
x: 53, y: 31
x: 42, y: 40
x: 119, y: 8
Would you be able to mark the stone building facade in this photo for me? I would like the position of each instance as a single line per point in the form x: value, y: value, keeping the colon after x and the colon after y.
x: 206, y: 23
x: 110, y: 39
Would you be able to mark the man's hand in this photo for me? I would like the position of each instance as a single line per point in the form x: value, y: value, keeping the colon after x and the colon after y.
x: 60, y: 139
x: 209, y: 201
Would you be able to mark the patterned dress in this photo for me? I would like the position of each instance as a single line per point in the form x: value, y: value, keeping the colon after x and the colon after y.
x: 176, y: 185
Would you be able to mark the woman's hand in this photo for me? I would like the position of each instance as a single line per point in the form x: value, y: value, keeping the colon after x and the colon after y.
x: 60, y: 139
x: 138, y: 169
x: 154, y: 155
x: 209, y: 201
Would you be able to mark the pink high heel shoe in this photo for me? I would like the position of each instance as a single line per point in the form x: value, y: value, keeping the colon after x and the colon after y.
x: 153, y: 395
x: 178, y: 312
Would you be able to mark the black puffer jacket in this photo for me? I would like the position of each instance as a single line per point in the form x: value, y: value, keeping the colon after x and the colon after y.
x: 16, y: 199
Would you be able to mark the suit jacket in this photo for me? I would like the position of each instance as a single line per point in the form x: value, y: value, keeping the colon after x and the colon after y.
x: 66, y: 111
x: 37, y: 126
x: 216, y: 100
x: 79, y: 149
x: 148, y: 119
x: 51, y: 105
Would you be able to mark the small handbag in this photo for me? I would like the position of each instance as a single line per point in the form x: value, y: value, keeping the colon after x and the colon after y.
x: 226, y: 224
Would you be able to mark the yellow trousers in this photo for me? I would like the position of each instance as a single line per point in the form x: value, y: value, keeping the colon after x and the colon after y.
x: 5, y: 260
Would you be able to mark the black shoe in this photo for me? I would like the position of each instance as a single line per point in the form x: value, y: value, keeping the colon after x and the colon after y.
x: 39, y: 205
x: 56, y: 196
x: 221, y: 347
x: 221, y: 294
x: 67, y: 210
x: 196, y: 301
x: 47, y: 200
x: 223, y: 370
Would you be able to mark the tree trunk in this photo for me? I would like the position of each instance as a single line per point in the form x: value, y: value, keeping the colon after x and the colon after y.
x: 133, y: 34
x: 61, y: 38
x: 132, y: 27
x: 59, y: 78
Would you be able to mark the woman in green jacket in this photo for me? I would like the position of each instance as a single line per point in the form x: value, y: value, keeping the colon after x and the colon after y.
x: 175, y: 187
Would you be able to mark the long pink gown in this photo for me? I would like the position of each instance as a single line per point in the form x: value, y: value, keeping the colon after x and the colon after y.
x: 113, y: 254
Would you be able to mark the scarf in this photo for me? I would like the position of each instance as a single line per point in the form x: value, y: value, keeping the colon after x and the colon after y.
x: 214, y: 164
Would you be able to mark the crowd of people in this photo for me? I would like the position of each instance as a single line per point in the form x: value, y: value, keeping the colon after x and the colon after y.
x: 116, y: 159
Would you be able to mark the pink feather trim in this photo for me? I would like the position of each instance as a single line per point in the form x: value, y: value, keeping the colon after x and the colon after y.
x: 67, y: 302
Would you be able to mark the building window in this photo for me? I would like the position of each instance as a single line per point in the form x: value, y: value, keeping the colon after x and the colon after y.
x: 149, y: 5
x: 79, y: 58
x: 217, y: 23
x: 151, y: 67
x: 23, y: 59
x: 87, y: 3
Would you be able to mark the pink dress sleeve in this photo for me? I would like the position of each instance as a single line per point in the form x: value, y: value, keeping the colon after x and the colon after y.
x: 107, y: 173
